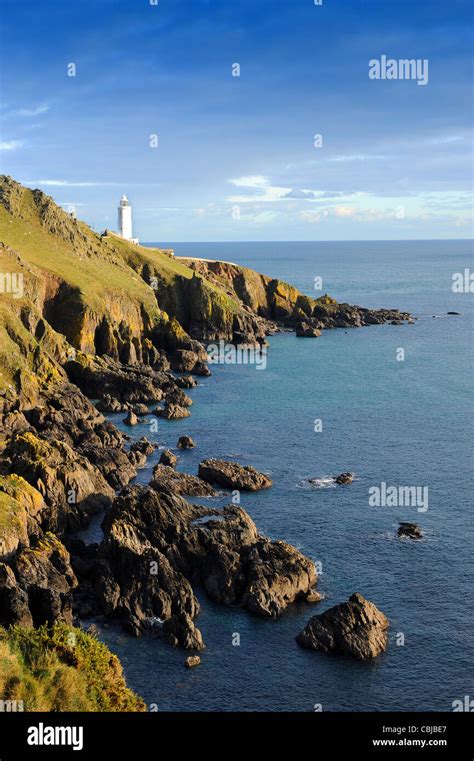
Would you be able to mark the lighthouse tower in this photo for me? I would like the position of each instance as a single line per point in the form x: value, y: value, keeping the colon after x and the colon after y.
x: 125, y: 220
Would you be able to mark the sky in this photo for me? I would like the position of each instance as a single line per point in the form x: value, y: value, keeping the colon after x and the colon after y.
x: 302, y: 145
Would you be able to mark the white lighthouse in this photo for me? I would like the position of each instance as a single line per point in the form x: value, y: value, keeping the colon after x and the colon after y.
x: 125, y: 219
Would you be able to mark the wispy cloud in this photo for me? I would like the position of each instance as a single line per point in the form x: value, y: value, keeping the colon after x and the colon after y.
x: 346, y: 158
x: 37, y: 111
x: 11, y: 145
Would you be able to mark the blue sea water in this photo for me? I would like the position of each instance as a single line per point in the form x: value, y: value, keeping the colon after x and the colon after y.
x: 402, y: 422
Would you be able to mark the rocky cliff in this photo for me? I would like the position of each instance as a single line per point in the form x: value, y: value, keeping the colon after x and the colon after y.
x: 86, y: 316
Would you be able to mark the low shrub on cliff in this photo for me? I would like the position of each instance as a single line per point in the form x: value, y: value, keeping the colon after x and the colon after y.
x: 62, y: 669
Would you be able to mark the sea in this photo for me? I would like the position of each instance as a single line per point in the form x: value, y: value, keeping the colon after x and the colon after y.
x: 391, y: 404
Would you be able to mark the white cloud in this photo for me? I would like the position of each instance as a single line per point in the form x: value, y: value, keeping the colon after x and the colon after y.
x: 33, y: 111
x: 251, y: 181
x: 357, y: 157
x: 313, y: 217
x: 264, y: 217
x: 10, y: 145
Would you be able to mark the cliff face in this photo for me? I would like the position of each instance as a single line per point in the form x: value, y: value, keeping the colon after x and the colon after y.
x: 66, y: 289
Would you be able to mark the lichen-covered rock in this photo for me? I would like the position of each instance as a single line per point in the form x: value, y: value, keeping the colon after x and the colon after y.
x: 44, y: 573
x: 231, y: 475
x: 21, y: 507
x: 70, y: 485
x: 356, y: 628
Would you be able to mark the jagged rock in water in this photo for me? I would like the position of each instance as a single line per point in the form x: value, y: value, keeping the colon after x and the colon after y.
x: 131, y: 419
x: 172, y: 412
x: 186, y: 381
x: 411, y: 530
x: 344, y: 478
x: 231, y: 475
x: 148, y: 531
x: 143, y: 445
x: 356, y: 628
x: 168, y: 458
x: 304, y: 330
x: 166, y: 479
x: 184, y: 361
x: 178, y: 397
x: 185, y: 442
x: 192, y: 661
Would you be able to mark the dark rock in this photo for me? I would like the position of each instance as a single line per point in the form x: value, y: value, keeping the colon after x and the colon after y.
x: 143, y: 446
x: 186, y: 381
x: 344, y: 478
x: 98, y: 377
x: 140, y: 409
x: 356, y: 628
x: 184, y: 361
x: 172, y: 412
x: 166, y: 479
x: 177, y: 397
x: 180, y: 631
x: 456, y: 313
x: 156, y: 543
x: 44, y: 572
x: 411, y: 530
x: 202, y: 369
x: 231, y: 475
x: 185, y: 442
x: 108, y: 403
x: 304, y: 330
x: 168, y: 458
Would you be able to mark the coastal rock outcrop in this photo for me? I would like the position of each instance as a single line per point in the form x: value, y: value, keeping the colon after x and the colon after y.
x: 304, y: 330
x: 72, y: 488
x: 172, y: 412
x: 167, y: 479
x: 36, y: 587
x: 356, y: 628
x: 231, y: 475
x: 156, y: 544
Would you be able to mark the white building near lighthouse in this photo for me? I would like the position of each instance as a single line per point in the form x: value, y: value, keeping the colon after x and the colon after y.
x: 125, y: 220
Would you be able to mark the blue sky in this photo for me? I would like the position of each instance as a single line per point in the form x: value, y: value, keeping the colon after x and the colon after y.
x: 236, y: 158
